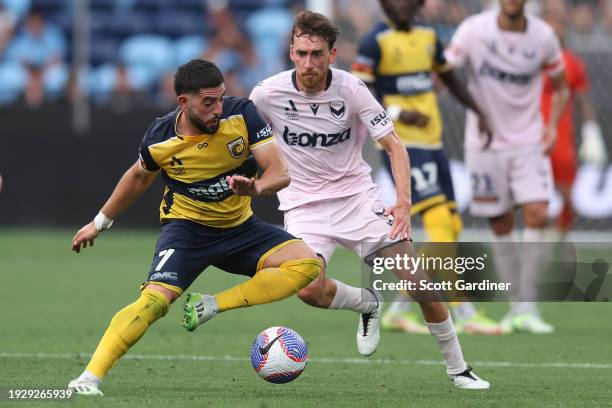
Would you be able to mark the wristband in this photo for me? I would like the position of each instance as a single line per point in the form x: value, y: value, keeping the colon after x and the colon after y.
x: 102, y: 222
x: 394, y: 112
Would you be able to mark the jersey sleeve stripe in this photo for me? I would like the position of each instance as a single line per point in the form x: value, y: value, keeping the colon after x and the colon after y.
x: 262, y: 143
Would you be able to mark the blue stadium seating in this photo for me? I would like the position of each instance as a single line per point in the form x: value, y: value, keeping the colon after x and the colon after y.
x: 175, y: 24
x: 19, y: 8
x: 147, y: 56
x: 188, y: 48
x: 13, y: 78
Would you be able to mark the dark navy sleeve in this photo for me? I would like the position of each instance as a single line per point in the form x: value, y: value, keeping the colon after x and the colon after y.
x: 368, y: 57
x: 440, y: 62
x: 146, y: 160
x: 257, y: 128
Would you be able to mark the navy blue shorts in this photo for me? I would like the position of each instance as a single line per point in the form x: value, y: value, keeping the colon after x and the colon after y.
x: 431, y: 178
x: 185, y: 248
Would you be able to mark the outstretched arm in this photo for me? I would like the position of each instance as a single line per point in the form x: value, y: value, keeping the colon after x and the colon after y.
x: 400, y: 166
x: 274, y: 177
x: 130, y: 187
x: 559, y: 99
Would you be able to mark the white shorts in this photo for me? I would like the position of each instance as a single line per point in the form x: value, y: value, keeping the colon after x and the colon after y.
x: 348, y: 221
x: 502, y: 179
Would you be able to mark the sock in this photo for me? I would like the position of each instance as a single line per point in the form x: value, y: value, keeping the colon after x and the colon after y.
x: 90, y: 377
x: 401, y: 303
x: 351, y: 298
x: 463, y: 310
x: 125, y: 329
x: 438, y: 224
x: 507, y: 264
x: 533, y: 258
x: 270, y: 284
x: 457, y: 225
x: 446, y: 336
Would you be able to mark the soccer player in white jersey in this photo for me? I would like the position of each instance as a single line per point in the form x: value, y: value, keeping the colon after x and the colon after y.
x: 505, y: 52
x: 322, y: 117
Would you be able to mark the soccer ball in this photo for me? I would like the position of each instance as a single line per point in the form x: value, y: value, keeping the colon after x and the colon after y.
x: 279, y: 355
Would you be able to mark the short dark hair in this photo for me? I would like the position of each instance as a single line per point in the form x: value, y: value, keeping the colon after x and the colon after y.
x: 310, y: 23
x: 195, y: 75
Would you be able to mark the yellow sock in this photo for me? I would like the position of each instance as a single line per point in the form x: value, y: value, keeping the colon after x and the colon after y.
x: 270, y: 284
x: 126, y: 327
x: 457, y: 224
x: 438, y: 224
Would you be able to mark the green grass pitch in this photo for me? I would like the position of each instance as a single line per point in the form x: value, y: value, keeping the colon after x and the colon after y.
x: 56, y: 304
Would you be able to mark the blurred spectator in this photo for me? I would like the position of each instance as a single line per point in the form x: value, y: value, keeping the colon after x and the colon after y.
x: 231, y: 50
x: 7, y: 26
x: 41, y: 47
x: 39, y: 43
x: 125, y: 94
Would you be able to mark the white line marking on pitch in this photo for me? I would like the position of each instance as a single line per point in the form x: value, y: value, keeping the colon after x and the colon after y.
x: 231, y: 359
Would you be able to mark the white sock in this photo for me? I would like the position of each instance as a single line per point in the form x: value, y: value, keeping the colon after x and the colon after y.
x: 351, y: 298
x: 507, y: 264
x: 534, y: 254
x: 463, y: 310
x: 89, y: 377
x: 446, y: 336
x: 401, y: 303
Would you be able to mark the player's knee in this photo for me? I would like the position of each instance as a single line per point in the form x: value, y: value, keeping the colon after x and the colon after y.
x: 302, y: 271
x: 503, y: 224
x: 170, y: 295
x: 536, y: 215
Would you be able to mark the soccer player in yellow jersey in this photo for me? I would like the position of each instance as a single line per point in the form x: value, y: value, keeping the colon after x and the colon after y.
x: 207, y: 151
x: 398, y: 59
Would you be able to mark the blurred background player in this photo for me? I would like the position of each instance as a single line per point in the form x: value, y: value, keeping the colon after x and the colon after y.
x: 505, y: 52
x: 398, y: 60
x: 563, y: 156
x: 325, y: 116
x: 203, y: 151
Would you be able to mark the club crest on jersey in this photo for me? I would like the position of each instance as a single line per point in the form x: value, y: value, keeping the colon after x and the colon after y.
x: 237, y: 148
x: 337, y: 109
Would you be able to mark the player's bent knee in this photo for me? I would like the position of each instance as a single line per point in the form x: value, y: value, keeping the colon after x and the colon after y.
x: 169, y: 294
x: 294, y: 250
x: 302, y: 271
x: 135, y: 319
x: 536, y: 215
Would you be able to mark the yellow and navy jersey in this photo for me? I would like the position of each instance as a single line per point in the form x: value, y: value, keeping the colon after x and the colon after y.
x: 194, y: 167
x: 399, y: 65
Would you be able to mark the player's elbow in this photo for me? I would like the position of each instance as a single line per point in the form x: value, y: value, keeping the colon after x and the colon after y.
x: 285, y: 180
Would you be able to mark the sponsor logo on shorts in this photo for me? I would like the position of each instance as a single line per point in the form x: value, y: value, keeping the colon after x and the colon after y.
x: 164, y: 276
x: 315, y: 139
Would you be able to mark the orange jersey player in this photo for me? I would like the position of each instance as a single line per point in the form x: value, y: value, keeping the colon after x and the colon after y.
x: 563, y: 157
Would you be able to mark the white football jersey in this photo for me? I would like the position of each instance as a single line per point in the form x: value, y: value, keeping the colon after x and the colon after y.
x: 505, y: 76
x: 322, y: 135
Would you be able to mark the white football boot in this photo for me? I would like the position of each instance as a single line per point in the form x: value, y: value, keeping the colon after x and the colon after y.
x: 531, y: 323
x: 467, y: 380
x: 85, y: 387
x: 368, y: 332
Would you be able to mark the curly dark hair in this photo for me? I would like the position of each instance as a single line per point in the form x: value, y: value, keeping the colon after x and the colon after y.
x: 195, y: 75
x: 309, y: 23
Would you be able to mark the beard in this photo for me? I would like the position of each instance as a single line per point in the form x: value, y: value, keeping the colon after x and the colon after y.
x: 202, y: 127
x: 310, y: 81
